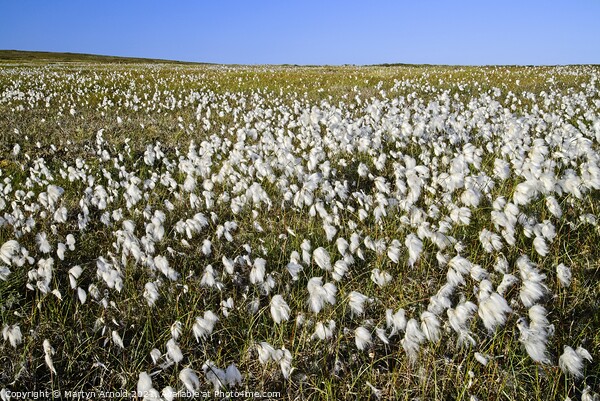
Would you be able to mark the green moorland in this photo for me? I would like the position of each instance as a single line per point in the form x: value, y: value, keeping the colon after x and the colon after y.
x: 20, y: 56
x: 140, y: 147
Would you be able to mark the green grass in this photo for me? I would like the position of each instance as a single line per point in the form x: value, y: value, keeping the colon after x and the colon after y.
x: 40, y: 57
x: 86, y: 357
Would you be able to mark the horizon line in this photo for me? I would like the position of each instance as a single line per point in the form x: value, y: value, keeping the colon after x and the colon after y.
x: 384, y: 64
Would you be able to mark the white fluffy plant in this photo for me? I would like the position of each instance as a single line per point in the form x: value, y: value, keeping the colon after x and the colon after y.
x: 388, y: 176
x: 280, y: 311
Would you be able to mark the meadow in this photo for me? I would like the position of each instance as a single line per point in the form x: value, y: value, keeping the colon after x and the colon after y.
x: 310, y: 232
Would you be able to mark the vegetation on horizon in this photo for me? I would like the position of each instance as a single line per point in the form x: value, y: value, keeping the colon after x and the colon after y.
x: 42, y: 57
x: 322, y: 232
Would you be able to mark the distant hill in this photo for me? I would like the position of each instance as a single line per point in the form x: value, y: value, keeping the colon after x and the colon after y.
x: 52, y: 57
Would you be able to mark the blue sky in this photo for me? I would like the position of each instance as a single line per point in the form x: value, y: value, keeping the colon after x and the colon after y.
x: 311, y: 32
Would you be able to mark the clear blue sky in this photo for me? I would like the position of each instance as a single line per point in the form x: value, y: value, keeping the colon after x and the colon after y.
x: 310, y: 31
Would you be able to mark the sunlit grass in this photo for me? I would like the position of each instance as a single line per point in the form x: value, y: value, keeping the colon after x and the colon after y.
x: 79, y: 100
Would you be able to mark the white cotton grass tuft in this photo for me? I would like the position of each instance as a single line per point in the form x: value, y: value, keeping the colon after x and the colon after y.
x: 8, y: 251
x: 395, y: 321
x: 584, y: 353
x: 168, y: 393
x: 546, y: 229
x: 381, y: 334
x: 564, y: 275
x: 316, y: 293
x: 233, y: 377
x: 12, y: 334
x: 204, y: 326
x: 501, y: 265
x: 362, y: 338
x: 501, y: 169
x: 228, y: 264
x: 490, y: 241
x: 415, y: 247
x: 173, y: 351
x: 60, y: 250
x: 189, y: 379
x: 588, y: 395
x: 57, y: 294
x: 162, y: 264
x: 330, y: 291
x: 155, y: 355
x: 42, y: 276
x: 206, y: 247
x: 553, y: 206
x: 265, y: 352
x: 571, y: 361
x: 540, y: 246
x: 459, y: 319
x: 117, y: 339
x: 257, y: 273
x: 322, y: 258
x: 381, y: 278
x: 4, y: 273
x: 284, y: 358
x: 532, y: 291
x: 60, y: 215
x: 151, y: 293
x: 461, y: 215
x: 461, y: 264
x: 533, y: 287
x: 330, y: 231
x: 42, y: 241
x: 356, y: 302
x: 48, y: 352
x: 354, y: 246
x: 481, y: 358
x: 471, y: 197
x: 413, y: 337
x: 340, y: 268
x: 342, y: 245
x: 393, y: 252
x: 478, y: 273
x: 144, y: 385
x: 430, y: 326
x: 280, y: 311
x: 306, y: 247
x: 493, y: 308
x: 508, y: 280
x: 81, y: 295
x: 209, y: 279
x: 324, y: 331
x: 441, y: 301
x: 320, y: 293
x: 534, y: 338
x: 214, y: 375
x: 74, y: 274
x: 294, y: 268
